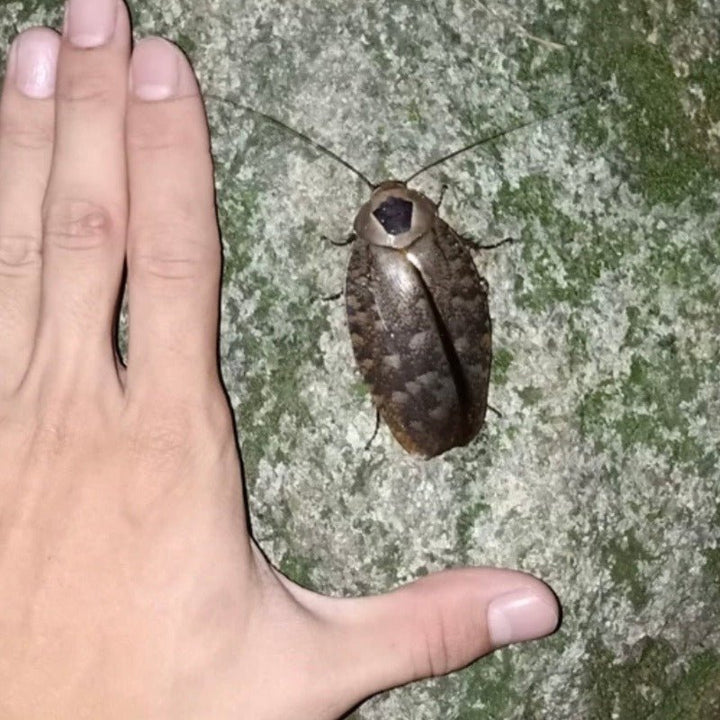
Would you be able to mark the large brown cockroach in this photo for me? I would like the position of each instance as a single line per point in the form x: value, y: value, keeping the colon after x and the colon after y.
x: 417, y: 309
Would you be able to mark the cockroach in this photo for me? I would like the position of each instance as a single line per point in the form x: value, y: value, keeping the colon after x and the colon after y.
x: 417, y: 308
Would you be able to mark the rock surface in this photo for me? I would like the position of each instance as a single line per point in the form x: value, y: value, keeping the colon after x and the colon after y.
x: 601, y: 475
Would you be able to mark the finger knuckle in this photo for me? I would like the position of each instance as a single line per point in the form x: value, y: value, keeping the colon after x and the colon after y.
x: 433, y: 658
x: 182, y: 425
x: 163, y: 436
x: 152, y: 138
x: 172, y: 253
x: 82, y: 85
x: 20, y: 254
x: 73, y: 224
x: 160, y: 129
x: 25, y: 133
x: 55, y: 430
x: 159, y: 266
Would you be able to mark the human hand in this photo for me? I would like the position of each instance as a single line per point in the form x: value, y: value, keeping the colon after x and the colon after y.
x: 129, y: 585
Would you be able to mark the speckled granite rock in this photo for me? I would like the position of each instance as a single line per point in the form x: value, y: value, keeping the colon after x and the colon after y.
x: 601, y: 475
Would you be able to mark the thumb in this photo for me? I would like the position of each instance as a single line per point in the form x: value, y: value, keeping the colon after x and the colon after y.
x: 436, y: 625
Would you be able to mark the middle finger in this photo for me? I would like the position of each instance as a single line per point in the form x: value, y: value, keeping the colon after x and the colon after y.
x: 85, y: 207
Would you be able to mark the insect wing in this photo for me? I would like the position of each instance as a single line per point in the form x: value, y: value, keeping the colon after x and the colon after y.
x: 420, y: 331
x: 460, y: 299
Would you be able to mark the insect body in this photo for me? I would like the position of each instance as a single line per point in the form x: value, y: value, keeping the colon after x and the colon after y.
x: 419, y: 321
x: 417, y: 310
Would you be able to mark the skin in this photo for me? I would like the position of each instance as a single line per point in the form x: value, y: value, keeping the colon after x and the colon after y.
x: 130, y: 585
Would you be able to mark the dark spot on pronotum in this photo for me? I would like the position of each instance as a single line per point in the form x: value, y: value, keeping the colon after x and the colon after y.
x: 395, y: 215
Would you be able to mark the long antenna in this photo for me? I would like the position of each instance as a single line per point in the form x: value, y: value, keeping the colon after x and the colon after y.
x: 502, y: 133
x: 302, y: 136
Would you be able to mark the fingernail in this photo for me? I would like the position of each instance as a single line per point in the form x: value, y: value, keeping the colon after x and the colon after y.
x: 33, y: 60
x: 155, y: 69
x: 90, y: 23
x: 521, y: 615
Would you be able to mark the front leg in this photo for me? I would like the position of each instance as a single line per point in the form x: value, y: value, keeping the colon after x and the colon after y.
x: 341, y: 243
x: 472, y: 244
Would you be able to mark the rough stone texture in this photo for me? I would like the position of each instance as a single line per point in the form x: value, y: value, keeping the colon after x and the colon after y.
x: 601, y: 475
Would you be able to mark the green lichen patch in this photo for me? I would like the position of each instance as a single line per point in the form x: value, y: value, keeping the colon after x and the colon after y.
x: 530, y: 395
x: 662, y: 59
x: 484, y: 688
x: 651, y: 685
x: 562, y: 257
x: 623, y: 554
x: 711, y: 568
x: 276, y: 338
x: 502, y: 359
x: 299, y: 569
x: 236, y: 215
x: 187, y: 43
x: 270, y: 386
x: 49, y: 10
x: 669, y: 153
x: 470, y: 511
x: 659, y: 395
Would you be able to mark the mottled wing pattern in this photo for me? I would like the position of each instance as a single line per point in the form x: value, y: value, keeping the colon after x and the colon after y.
x: 461, y: 299
x: 420, y: 330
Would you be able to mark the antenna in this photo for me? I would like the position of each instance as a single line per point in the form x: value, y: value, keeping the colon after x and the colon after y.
x: 302, y: 136
x: 502, y: 133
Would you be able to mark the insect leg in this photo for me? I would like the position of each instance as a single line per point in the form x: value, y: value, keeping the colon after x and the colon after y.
x: 474, y: 245
x: 443, y: 189
x: 375, y: 432
x: 469, y: 242
x: 340, y: 243
x: 495, y: 410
